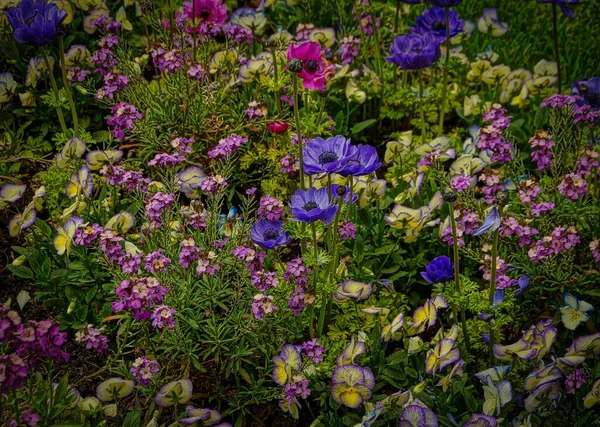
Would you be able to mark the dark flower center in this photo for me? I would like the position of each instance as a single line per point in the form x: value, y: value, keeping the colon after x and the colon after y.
x: 592, y: 98
x: 205, y: 14
x: 328, y: 157
x: 438, y: 26
x: 311, y: 66
x: 310, y: 206
x: 31, y: 19
x: 271, y: 234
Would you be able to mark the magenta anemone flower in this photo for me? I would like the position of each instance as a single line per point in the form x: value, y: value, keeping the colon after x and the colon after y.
x: 314, y: 68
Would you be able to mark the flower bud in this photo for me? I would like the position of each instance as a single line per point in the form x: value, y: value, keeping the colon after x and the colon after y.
x: 323, y: 93
x: 295, y: 66
x: 90, y: 406
x: 341, y: 190
x: 502, y: 199
x: 449, y: 196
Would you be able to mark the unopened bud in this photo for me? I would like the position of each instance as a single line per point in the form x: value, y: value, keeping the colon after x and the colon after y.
x: 502, y: 199
x: 295, y: 66
x: 449, y: 196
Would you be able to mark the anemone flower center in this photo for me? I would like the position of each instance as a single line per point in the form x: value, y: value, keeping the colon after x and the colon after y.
x: 328, y: 157
x: 310, y: 206
x: 205, y: 14
x: 438, y: 25
x: 593, y: 99
x: 31, y: 19
x: 311, y: 66
x: 271, y: 234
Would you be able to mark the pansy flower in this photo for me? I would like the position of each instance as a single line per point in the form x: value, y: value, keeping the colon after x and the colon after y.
x: 489, y: 22
x: 121, y: 223
x: 22, y: 221
x: 496, y: 396
x: 64, y: 239
x: 574, y: 312
x: 351, y: 289
x: 418, y: 415
x: 442, y: 355
x: 174, y: 392
x: 481, y: 420
x: 593, y: 397
x: 114, y: 388
x: 10, y: 193
x: 72, y: 151
x: 413, y: 220
x: 96, y: 159
x: 352, y: 385
x: 351, y: 351
x: 287, y: 364
x: 204, y: 416
x: 80, y: 184
x: 388, y: 331
x: 457, y: 369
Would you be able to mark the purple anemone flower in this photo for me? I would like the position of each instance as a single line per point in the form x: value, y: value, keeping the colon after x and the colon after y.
x: 327, y: 156
x: 364, y: 162
x: 35, y: 22
x: 439, y: 270
x: 415, y: 51
x: 434, y: 21
x: 269, y: 234
x: 313, y: 205
x: 522, y: 283
x: 589, y: 91
x: 564, y: 5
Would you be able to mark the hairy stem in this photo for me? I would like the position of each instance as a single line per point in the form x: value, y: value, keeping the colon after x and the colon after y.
x: 445, y: 74
x: 61, y: 118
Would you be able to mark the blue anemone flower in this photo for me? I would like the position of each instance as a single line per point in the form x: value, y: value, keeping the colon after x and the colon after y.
x: 434, y: 21
x: 492, y: 222
x: 439, y: 270
x: 35, y: 22
x: 364, y: 162
x: 522, y: 283
x: 415, y: 51
x: 327, y: 155
x: 313, y: 205
x: 268, y: 234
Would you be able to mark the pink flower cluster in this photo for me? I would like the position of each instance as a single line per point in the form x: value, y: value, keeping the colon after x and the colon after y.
x: 196, y: 72
x: 213, y: 184
x: 559, y: 101
x: 112, y: 84
x: 237, y: 34
x: 110, y: 244
x: 104, y: 60
x: 123, y: 117
x: 183, y: 147
x: 502, y: 279
x: 288, y: 166
x: 264, y: 280
x: 297, y: 273
x: 227, y: 146
x: 538, y: 208
x: 512, y: 227
x: 585, y: 114
x: 167, y: 60
x: 92, y: 338
x: 254, y: 259
x: 349, y: 48
x: 139, y: 295
x: 297, y: 387
x: 85, y: 236
x: 575, y: 380
x: 595, y: 248
x: 130, y: 180
x: 573, y: 186
x: 491, y: 179
x: 256, y: 110
x: 189, y: 252
x: 13, y: 373
x: 589, y: 161
x: 347, y: 230
x: 314, y: 350
x: 163, y: 316
x: 155, y: 206
x: 528, y: 191
x: 542, y: 155
x: 262, y: 305
x: 76, y: 74
x: 561, y: 239
x: 460, y: 183
x: 143, y: 370
x: 40, y: 340
x: 270, y: 208
x: 207, y: 266
x: 491, y: 138
x: 156, y: 261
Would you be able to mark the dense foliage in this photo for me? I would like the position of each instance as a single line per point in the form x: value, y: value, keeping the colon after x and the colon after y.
x: 299, y: 213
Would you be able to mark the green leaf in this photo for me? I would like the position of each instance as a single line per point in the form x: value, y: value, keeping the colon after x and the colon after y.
x: 133, y: 419
x: 20, y: 271
x: 359, y: 127
x: 359, y: 249
x: 89, y: 296
x: 470, y: 401
x: 101, y: 135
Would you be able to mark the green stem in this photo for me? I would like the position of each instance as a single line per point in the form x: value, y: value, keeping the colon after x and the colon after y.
x: 493, y: 289
x: 63, y: 67
x: 445, y: 74
x: 457, y: 288
x: 276, y: 76
x: 298, y: 131
x: 61, y: 118
x: 17, y: 408
x: 422, y: 104
x: 556, y: 47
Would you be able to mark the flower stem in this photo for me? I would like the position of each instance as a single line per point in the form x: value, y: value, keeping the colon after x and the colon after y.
x: 276, y: 76
x: 556, y: 49
x: 63, y: 67
x: 422, y: 105
x: 463, y: 316
x: 445, y: 74
x: 298, y: 132
x: 61, y: 118
x: 493, y: 288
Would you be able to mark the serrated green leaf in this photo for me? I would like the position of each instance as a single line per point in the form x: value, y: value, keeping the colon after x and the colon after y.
x: 20, y: 271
